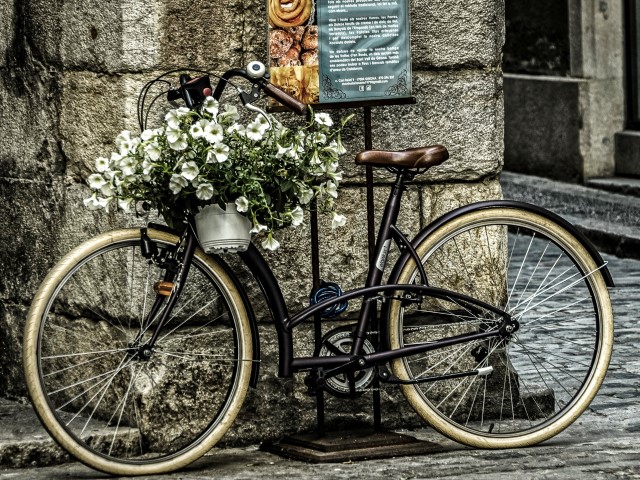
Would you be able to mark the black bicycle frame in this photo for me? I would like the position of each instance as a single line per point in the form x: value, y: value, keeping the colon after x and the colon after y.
x: 370, y: 293
x: 285, y: 325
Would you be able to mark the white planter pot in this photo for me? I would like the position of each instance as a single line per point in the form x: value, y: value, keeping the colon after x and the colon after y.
x: 221, y: 231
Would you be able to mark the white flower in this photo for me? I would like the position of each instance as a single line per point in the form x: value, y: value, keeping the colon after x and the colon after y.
x: 306, y: 196
x: 337, y: 176
x: 221, y: 152
x: 213, y: 133
x: 182, y: 111
x: 177, y: 183
x: 102, y: 164
x: 123, y: 142
x: 323, y: 119
x: 107, y: 190
x: 293, y: 153
x: 147, y: 166
x: 242, y: 204
x: 263, y: 122
x: 196, y: 130
x: 257, y: 228
x: 211, y: 105
x: 338, y: 220
x: 319, y: 138
x: 230, y: 114
x: 236, y: 127
x: 204, y: 191
x: 180, y: 143
x: 254, y: 131
x: 190, y: 170
x: 116, y: 157
x: 173, y: 134
x: 270, y: 243
x: 125, y: 204
x: 282, y: 150
x: 173, y: 119
x: 153, y: 151
x: 332, y: 189
x: 128, y: 166
x: 147, y: 135
x: 96, y: 181
x: 297, y: 216
x: 94, y: 202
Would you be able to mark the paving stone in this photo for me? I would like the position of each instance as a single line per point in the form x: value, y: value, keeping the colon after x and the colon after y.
x: 603, y: 443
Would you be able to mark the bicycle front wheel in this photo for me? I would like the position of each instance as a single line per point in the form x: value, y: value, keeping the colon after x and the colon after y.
x: 112, y: 406
x: 546, y: 373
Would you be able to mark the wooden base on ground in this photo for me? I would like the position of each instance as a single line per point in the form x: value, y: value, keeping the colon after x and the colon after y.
x: 340, y: 447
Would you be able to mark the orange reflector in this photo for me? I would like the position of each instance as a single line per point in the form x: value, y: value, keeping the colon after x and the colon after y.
x: 163, y: 288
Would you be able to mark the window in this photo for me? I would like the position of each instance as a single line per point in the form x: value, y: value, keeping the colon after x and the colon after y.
x: 632, y: 15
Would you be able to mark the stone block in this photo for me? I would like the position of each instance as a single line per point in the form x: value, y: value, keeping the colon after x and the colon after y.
x: 28, y: 231
x: 7, y: 30
x: 92, y: 38
x: 461, y: 110
x: 38, y: 32
x: 254, y: 37
x: 12, y: 319
x: 201, y: 33
x: 28, y: 114
x: 92, y: 114
x: 130, y: 36
x: 442, y: 198
x: 449, y: 34
x: 627, y: 144
x: 544, y: 126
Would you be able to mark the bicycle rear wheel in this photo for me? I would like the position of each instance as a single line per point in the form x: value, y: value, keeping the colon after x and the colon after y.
x: 548, y: 371
x: 98, y: 395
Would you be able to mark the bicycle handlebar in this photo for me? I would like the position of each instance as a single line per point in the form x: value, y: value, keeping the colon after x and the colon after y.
x: 193, y: 90
x: 284, y: 98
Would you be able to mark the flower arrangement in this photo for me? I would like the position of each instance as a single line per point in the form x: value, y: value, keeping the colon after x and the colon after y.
x: 204, y: 157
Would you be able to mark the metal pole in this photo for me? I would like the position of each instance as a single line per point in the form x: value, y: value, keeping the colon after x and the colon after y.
x: 317, y: 319
x: 371, y: 238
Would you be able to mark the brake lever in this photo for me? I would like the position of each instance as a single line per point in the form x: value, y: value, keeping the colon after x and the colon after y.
x: 253, y: 108
x: 248, y: 98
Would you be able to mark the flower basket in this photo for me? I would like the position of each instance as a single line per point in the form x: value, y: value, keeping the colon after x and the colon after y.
x: 197, y: 160
x: 221, y: 231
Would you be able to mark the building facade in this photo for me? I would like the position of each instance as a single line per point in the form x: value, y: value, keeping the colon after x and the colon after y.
x: 571, y: 84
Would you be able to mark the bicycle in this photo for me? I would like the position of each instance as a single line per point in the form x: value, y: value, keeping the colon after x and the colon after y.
x: 495, y: 322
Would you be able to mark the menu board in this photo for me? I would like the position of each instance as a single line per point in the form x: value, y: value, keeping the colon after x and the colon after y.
x: 327, y: 51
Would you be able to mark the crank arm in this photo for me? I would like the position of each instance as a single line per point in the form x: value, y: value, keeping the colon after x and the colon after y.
x: 387, y: 377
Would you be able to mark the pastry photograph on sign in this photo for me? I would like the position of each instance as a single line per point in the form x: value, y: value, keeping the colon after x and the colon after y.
x: 293, y: 48
x: 340, y: 51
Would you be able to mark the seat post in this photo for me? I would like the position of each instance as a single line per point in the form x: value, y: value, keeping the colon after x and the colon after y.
x: 379, y: 259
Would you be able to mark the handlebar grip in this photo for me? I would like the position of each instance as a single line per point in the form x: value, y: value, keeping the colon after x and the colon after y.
x: 287, y: 100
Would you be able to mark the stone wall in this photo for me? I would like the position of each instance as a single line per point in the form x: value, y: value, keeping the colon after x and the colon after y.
x: 69, y: 77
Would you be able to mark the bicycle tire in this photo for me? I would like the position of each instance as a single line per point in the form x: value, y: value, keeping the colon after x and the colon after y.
x: 546, y: 374
x: 105, y: 405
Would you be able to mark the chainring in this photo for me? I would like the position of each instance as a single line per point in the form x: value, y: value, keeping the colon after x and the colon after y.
x: 337, y: 342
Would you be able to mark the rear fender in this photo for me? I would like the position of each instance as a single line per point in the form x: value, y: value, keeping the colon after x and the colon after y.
x: 429, y: 229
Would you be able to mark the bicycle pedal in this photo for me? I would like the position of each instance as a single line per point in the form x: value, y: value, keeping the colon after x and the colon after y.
x: 163, y: 288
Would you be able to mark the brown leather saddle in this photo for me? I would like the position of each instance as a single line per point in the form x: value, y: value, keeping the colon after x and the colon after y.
x: 419, y: 158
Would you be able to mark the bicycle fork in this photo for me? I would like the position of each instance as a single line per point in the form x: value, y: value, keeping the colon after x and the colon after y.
x: 177, y: 269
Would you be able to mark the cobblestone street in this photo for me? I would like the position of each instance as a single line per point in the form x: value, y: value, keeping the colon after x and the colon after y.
x: 603, y: 443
